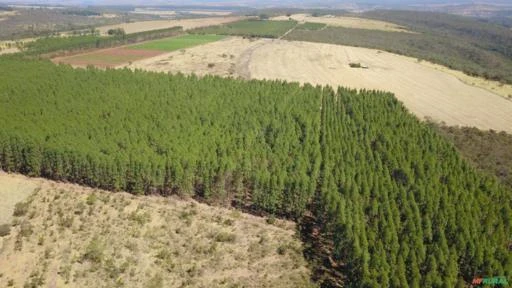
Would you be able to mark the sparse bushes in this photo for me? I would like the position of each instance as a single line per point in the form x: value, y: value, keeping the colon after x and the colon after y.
x: 36, y: 280
x: 26, y: 229
x: 140, y: 217
x: 94, y: 252
x: 157, y: 281
x: 20, y: 209
x: 66, y: 222
x: 5, y: 229
x: 271, y: 220
x: 91, y: 199
x: 225, y: 237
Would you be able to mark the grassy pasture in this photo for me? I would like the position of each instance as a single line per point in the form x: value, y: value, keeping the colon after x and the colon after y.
x: 176, y: 43
x: 252, y: 28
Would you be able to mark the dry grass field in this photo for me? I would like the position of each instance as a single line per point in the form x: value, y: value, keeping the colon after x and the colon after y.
x: 13, y: 189
x: 426, y: 91
x: 162, y: 24
x: 69, y: 236
x: 347, y: 22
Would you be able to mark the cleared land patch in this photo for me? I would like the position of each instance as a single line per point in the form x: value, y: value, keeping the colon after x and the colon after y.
x: 427, y: 92
x: 71, y: 236
x: 176, y: 43
x: 162, y: 24
x: 343, y: 21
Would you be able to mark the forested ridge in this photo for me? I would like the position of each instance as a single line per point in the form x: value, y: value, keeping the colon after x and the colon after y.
x: 400, y: 205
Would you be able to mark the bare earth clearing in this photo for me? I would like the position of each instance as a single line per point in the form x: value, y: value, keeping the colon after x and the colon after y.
x: 106, y: 58
x: 347, y: 22
x: 425, y: 90
x: 162, y: 24
x: 71, y: 236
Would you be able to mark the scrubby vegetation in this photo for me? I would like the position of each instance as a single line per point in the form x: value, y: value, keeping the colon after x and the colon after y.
x: 250, y: 28
x: 65, y: 240
x: 461, y: 43
x: 398, y: 204
x: 489, y: 151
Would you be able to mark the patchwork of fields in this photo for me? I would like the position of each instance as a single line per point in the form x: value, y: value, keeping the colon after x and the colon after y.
x: 430, y: 91
x: 426, y: 91
x: 343, y: 21
x: 126, y: 55
x: 187, y: 24
x: 251, y: 28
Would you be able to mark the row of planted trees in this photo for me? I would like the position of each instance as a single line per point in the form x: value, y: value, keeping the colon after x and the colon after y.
x: 399, y: 204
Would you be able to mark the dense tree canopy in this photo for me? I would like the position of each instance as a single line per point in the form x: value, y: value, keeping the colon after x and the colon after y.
x: 400, y: 205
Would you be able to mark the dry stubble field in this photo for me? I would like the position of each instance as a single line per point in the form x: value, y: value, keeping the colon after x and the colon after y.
x: 70, y: 236
x: 187, y: 24
x: 428, y: 91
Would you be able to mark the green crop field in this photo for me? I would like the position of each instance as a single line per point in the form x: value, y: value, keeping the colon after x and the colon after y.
x: 177, y: 43
x: 252, y: 28
x: 311, y: 26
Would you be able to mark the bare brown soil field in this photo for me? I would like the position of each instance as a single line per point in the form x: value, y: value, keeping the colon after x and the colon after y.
x: 104, y: 58
x: 71, y: 236
x: 426, y: 91
x: 162, y: 24
x: 347, y: 22
x: 13, y: 189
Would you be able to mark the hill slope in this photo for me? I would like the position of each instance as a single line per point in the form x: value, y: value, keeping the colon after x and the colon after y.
x: 71, y: 236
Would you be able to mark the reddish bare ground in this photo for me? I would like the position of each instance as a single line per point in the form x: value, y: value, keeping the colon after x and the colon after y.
x: 107, y: 57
